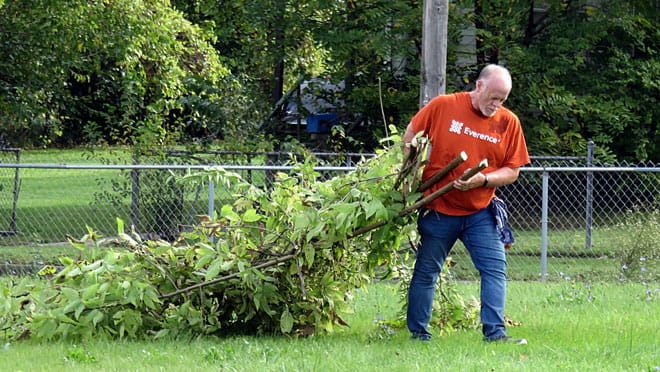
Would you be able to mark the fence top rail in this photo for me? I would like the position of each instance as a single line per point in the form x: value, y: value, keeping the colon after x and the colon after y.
x: 269, y: 153
x: 170, y: 167
x: 590, y: 169
x: 544, y: 157
x: 290, y: 167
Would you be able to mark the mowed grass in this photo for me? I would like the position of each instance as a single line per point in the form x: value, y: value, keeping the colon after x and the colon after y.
x: 612, y: 329
x: 56, y: 202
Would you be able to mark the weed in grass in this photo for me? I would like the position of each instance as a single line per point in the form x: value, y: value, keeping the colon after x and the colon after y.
x: 213, y: 355
x: 640, y: 253
x: 384, y: 331
x: 160, y: 355
x: 571, y: 292
x: 645, y: 277
x: 80, y: 355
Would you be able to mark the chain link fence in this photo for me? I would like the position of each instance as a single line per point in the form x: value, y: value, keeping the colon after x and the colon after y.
x: 570, y: 216
x: 9, y: 183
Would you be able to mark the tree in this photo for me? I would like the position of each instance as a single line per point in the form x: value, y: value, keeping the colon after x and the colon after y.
x: 582, y: 70
x: 117, y: 71
x: 587, y: 74
x: 375, y: 46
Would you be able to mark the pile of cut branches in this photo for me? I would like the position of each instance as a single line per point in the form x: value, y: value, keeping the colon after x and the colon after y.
x: 283, y: 259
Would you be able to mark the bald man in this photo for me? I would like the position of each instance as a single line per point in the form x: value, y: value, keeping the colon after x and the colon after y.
x: 477, y: 123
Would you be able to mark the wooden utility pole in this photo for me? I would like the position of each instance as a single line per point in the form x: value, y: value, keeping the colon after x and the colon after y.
x: 434, y: 50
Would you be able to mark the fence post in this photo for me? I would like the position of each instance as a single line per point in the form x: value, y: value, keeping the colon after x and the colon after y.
x: 588, y: 210
x: 544, y: 228
x: 13, y: 228
x: 135, y: 195
x: 211, y: 205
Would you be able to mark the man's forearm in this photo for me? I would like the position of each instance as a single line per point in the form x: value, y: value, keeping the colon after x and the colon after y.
x: 407, y: 138
x: 500, y: 177
x: 497, y: 178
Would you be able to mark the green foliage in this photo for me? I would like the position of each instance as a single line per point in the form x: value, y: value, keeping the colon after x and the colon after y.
x: 586, y: 74
x: 373, y: 47
x: 117, y: 72
x: 640, y: 256
x: 278, y: 260
x: 450, y: 312
x: 80, y: 355
x: 138, y: 72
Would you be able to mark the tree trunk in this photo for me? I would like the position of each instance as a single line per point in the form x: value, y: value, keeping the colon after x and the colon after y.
x: 479, y: 25
x: 278, y: 68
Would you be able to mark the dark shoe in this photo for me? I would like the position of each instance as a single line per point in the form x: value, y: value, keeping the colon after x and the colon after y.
x: 420, y: 337
x: 508, y: 340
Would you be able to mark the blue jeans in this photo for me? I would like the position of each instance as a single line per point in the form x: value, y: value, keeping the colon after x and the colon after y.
x: 438, y: 234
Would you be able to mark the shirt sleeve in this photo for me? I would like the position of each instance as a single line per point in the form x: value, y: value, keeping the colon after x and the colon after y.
x: 516, y: 153
x: 422, y: 120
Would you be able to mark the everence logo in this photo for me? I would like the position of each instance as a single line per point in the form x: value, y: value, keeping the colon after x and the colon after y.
x: 457, y: 127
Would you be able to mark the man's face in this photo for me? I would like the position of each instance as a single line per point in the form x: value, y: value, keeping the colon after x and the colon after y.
x: 491, y: 94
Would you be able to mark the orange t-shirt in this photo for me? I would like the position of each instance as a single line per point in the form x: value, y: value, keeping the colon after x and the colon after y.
x: 453, y: 125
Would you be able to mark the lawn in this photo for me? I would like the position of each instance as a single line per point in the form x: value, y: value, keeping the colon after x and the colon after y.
x: 570, y: 327
x: 54, y: 202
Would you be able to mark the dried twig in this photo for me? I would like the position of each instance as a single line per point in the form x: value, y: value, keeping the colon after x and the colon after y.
x: 458, y: 160
x: 411, y: 155
x: 444, y: 189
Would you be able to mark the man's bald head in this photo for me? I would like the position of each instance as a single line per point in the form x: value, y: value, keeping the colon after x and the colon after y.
x: 496, y: 74
x: 493, y: 87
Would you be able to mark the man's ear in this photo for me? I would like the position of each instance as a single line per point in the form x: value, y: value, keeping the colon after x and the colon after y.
x: 478, y: 85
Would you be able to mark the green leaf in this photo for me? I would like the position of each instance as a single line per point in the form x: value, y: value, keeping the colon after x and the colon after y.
x: 302, y: 221
x: 47, y: 328
x: 69, y: 293
x: 286, y: 321
x: 228, y: 212
x: 310, y: 252
x: 376, y: 208
x: 90, y: 291
x: 162, y: 333
x: 315, y: 231
x: 213, y: 270
x: 251, y: 216
x: 120, y: 226
x: 72, y: 305
x: 94, y: 317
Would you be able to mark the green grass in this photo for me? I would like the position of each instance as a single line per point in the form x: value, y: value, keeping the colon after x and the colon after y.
x: 53, y: 203
x: 616, y: 331
x: 80, y: 155
x: 528, y: 267
x: 56, y: 202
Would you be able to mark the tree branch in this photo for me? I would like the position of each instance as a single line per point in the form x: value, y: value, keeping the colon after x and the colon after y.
x: 226, y: 277
x: 426, y: 200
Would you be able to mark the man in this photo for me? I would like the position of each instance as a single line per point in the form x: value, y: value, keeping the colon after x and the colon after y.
x: 477, y: 123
